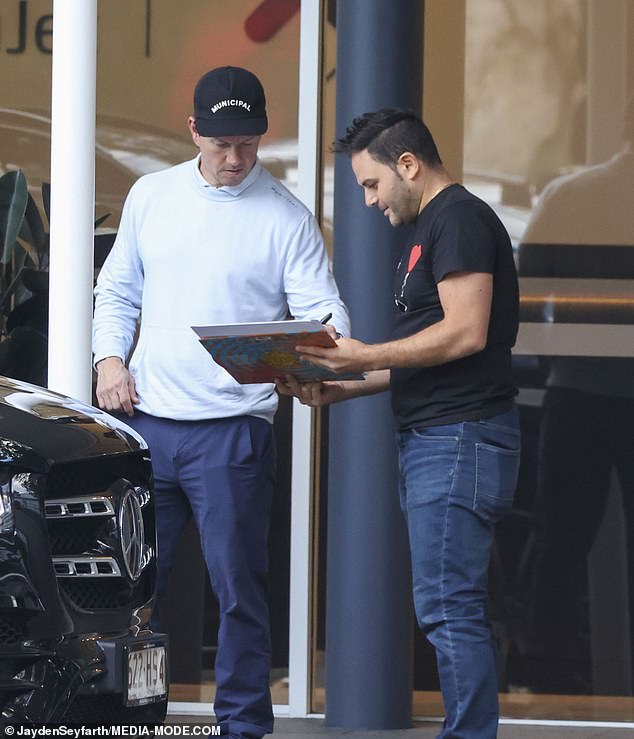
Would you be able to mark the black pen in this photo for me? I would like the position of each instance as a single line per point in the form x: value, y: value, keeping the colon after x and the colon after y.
x: 325, y: 319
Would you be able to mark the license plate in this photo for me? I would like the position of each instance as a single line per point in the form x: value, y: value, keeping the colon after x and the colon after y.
x: 147, y: 674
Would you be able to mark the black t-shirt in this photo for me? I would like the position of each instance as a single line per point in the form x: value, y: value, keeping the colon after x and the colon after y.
x: 455, y: 232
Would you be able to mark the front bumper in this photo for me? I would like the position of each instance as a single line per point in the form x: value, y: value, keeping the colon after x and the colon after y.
x: 45, y: 683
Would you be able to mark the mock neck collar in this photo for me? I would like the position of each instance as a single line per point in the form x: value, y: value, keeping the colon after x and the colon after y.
x: 234, y: 190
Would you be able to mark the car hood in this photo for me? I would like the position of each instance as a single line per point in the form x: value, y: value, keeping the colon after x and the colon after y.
x: 56, y: 428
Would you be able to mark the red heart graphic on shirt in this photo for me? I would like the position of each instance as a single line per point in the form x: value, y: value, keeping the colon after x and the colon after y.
x: 414, y: 256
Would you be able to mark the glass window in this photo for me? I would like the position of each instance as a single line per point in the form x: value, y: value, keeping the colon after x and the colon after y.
x: 548, y: 141
x: 532, y: 105
x: 150, y: 55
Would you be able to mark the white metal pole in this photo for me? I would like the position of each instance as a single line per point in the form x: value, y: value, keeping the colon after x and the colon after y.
x: 301, y: 518
x: 72, y: 196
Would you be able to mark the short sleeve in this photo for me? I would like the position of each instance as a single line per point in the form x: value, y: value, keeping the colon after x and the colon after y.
x: 464, y: 240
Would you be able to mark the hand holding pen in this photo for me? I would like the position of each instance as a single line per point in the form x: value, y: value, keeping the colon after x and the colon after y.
x: 331, y: 329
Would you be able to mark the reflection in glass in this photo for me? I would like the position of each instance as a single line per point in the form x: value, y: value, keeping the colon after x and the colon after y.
x: 537, y: 116
x: 583, y: 226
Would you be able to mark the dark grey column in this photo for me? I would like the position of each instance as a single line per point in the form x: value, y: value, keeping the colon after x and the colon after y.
x: 369, y: 615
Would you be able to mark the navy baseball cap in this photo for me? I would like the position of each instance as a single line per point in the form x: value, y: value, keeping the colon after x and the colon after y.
x: 229, y: 101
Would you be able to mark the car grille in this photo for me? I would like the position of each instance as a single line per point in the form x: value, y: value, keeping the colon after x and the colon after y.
x: 69, y: 536
x: 101, y: 530
x: 12, y: 630
x: 96, y: 595
x: 93, y: 475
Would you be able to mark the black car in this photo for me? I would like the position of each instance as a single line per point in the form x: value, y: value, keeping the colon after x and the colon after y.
x: 77, y: 566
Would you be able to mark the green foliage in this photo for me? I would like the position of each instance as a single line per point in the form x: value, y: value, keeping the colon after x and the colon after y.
x: 24, y: 242
x: 14, y: 196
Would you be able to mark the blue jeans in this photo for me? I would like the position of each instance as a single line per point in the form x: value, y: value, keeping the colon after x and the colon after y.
x: 456, y: 482
x: 222, y: 472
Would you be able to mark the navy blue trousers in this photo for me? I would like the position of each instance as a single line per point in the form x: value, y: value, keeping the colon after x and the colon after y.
x: 222, y: 471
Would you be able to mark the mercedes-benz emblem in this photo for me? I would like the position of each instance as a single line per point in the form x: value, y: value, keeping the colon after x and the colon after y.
x: 132, y: 534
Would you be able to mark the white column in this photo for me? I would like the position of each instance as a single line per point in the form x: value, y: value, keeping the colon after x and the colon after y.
x: 301, y: 508
x: 72, y: 196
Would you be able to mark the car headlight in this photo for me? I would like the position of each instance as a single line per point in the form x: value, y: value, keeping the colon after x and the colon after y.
x: 23, y: 486
x: 6, y: 509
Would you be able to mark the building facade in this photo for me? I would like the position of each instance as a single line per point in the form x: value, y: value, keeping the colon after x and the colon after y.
x: 532, y: 108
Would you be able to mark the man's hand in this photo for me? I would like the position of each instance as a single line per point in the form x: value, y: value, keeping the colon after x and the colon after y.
x: 317, y: 394
x: 314, y: 394
x: 349, y: 355
x: 115, y: 386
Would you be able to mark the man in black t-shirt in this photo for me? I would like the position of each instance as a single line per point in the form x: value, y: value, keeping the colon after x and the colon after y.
x: 455, y: 233
x: 449, y: 371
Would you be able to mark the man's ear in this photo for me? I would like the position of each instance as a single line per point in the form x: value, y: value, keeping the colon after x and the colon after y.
x: 191, y: 124
x: 408, y: 165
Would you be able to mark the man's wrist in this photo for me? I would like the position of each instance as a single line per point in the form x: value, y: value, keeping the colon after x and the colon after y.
x: 377, y: 357
x: 106, y: 359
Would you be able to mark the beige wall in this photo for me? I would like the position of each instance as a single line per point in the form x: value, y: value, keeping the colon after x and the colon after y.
x: 150, y: 55
x: 25, y: 80
x: 444, y: 79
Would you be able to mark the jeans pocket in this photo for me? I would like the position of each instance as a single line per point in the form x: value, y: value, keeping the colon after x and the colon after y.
x: 496, y: 478
x: 427, y: 465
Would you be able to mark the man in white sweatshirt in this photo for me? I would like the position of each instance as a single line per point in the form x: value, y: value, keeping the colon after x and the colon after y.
x: 214, y: 240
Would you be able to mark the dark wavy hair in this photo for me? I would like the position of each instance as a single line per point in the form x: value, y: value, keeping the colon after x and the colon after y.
x: 388, y: 133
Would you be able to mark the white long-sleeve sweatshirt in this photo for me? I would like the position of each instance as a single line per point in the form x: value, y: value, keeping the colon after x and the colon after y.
x: 189, y: 254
